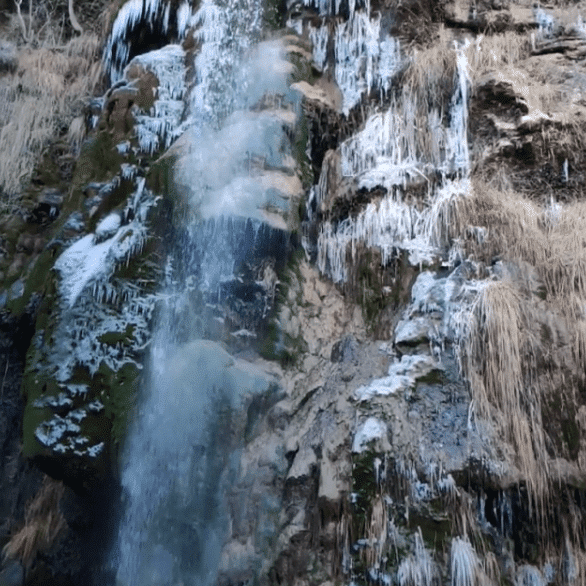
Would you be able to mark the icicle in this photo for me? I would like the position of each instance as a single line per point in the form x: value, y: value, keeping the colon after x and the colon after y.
x: 319, y: 39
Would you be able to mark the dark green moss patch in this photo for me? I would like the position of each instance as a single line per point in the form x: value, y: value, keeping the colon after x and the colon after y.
x: 364, y: 488
x: 118, y: 391
x: 113, y: 338
x: 435, y: 377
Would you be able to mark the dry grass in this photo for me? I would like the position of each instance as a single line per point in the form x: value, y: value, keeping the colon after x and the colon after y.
x: 496, y: 364
x: 546, y: 243
x: 43, y: 523
x: 550, y: 238
x: 431, y: 71
x: 45, y: 94
x: 492, y: 52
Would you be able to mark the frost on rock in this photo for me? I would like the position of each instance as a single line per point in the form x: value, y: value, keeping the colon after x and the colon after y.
x: 95, y: 306
x: 371, y: 429
x: 86, y: 262
x: 402, y: 377
x: 108, y: 226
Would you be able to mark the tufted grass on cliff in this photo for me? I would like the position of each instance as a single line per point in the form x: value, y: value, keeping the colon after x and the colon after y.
x: 41, y: 99
x: 495, y: 358
x: 43, y: 523
x: 549, y: 237
x: 543, y: 246
x: 493, y: 52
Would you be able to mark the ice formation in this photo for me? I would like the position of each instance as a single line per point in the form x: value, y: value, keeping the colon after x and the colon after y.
x: 161, y: 125
x: 132, y: 15
x: 385, y: 153
x: 464, y: 563
x: 371, y: 429
x: 390, y: 226
x: 364, y: 60
x: 86, y: 262
x: 419, y: 568
x: 402, y: 377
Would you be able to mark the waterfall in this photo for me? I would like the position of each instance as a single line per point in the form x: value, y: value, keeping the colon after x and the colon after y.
x: 178, y: 460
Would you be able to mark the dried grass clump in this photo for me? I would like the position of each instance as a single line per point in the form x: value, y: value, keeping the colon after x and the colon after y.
x: 499, y: 348
x: 376, y: 534
x: 43, y: 523
x: 495, y: 361
x: 45, y: 94
x: 432, y: 70
x: 495, y: 51
x: 551, y: 238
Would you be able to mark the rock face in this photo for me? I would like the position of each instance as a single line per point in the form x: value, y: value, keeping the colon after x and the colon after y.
x: 411, y: 296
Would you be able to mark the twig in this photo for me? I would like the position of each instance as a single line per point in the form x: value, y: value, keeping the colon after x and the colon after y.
x: 3, y: 380
x: 27, y: 36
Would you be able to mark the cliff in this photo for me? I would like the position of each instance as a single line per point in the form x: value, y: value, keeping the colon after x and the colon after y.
x: 293, y: 293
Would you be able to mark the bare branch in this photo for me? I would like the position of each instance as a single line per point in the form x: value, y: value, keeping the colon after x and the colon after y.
x: 73, y: 19
x: 26, y: 35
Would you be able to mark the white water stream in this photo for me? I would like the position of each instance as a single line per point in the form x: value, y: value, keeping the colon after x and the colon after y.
x: 178, y: 460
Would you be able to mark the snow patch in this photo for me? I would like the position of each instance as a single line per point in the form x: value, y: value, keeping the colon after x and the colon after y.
x: 402, y: 377
x: 371, y: 429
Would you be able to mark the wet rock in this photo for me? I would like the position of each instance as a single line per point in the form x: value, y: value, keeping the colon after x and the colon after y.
x: 344, y: 350
x: 16, y: 290
x: 12, y: 574
x: 48, y: 206
x: 8, y: 57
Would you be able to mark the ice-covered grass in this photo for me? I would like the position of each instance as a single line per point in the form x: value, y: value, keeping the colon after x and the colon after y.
x: 390, y: 226
x: 464, y: 563
x: 418, y: 569
x: 365, y: 58
x: 401, y: 143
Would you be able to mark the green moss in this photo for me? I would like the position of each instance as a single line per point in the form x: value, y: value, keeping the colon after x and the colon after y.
x: 40, y: 280
x: 274, y: 14
x: 302, y: 69
x: 113, y: 338
x: 436, y: 531
x: 300, y: 151
x: 435, y: 377
x: 32, y: 418
x: 118, y: 391
x: 365, y: 488
x: 98, y: 161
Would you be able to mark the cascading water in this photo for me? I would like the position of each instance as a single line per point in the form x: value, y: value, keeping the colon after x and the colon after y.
x: 178, y: 459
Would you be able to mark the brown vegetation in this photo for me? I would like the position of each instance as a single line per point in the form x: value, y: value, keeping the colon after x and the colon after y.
x: 43, y: 523
x: 44, y: 95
